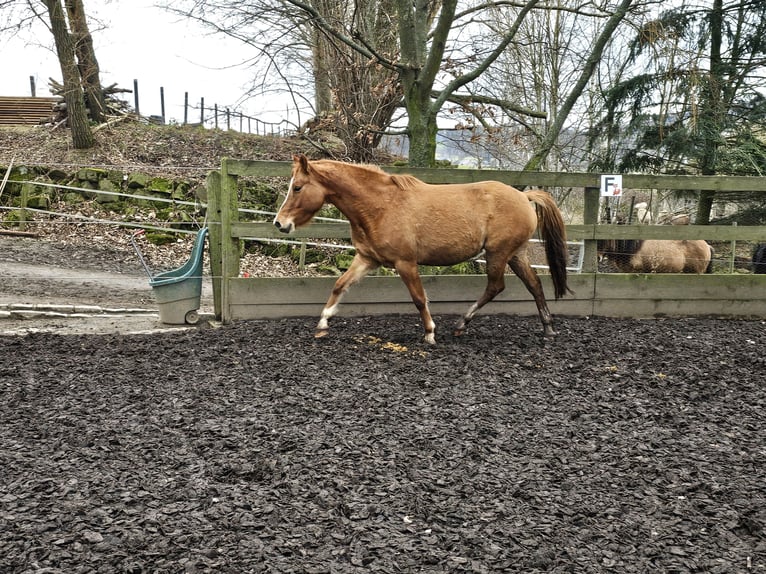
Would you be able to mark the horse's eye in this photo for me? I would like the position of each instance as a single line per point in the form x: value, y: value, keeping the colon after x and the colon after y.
x: 297, y: 188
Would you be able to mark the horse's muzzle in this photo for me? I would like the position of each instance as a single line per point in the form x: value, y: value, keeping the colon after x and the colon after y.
x: 283, y: 228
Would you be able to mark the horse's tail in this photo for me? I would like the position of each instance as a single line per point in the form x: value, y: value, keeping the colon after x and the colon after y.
x: 709, y: 268
x: 553, y: 233
x: 759, y: 259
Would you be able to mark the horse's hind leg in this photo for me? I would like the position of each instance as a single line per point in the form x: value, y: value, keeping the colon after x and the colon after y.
x: 359, y: 267
x: 495, y: 286
x: 521, y: 267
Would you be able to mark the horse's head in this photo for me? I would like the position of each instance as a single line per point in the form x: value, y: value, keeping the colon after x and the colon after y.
x: 305, y: 196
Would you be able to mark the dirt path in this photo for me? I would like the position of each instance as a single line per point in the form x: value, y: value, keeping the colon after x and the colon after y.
x: 51, y: 275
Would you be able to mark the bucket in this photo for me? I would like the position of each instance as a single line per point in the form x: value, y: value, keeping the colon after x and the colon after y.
x: 178, y: 291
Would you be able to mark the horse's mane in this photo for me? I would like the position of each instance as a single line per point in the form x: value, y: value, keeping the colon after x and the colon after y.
x: 628, y: 246
x: 403, y: 181
x: 619, y: 246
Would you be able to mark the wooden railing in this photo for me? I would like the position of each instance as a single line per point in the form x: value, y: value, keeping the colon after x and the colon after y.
x: 612, y: 294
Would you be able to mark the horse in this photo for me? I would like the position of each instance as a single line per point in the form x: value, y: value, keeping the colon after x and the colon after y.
x: 400, y: 222
x: 759, y: 259
x: 658, y: 255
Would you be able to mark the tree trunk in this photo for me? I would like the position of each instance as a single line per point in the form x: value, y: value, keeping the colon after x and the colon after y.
x: 421, y: 125
x: 712, y: 115
x: 86, y: 60
x: 418, y: 72
x: 322, y: 63
x: 422, y: 137
x: 82, y: 137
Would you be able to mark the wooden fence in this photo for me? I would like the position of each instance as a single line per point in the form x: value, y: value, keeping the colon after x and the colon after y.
x: 602, y: 294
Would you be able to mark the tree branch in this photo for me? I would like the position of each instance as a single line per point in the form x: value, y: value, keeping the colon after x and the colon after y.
x: 464, y: 79
x: 323, y: 25
x: 590, y: 66
x: 468, y: 99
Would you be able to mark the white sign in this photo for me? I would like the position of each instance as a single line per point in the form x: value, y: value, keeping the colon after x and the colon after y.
x: 611, y: 186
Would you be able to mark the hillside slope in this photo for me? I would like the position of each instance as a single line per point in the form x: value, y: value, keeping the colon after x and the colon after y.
x: 168, y: 150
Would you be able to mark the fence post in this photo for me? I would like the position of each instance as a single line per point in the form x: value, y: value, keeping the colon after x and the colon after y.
x: 302, y: 257
x: 135, y: 96
x: 213, y: 185
x: 202, y: 112
x: 229, y: 245
x: 591, y: 199
x: 186, y: 108
x: 24, y: 200
x: 162, y: 104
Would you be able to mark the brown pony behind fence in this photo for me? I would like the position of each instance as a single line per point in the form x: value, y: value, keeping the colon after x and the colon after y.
x: 658, y: 255
x: 401, y: 222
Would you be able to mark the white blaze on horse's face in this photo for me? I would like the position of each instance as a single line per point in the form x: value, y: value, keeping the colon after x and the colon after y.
x: 283, y: 225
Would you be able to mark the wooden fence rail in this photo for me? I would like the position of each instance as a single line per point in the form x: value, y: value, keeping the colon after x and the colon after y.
x: 605, y: 294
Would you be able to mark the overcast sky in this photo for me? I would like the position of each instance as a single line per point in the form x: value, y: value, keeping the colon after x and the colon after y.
x: 149, y: 45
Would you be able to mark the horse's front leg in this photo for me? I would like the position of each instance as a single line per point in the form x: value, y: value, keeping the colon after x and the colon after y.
x: 359, y: 267
x: 408, y: 271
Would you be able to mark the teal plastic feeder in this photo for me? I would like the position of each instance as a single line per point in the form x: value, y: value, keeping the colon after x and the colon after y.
x: 178, y: 291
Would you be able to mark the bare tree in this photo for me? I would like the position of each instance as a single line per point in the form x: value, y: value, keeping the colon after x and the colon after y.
x: 349, y: 93
x: 433, y: 68
x: 81, y: 86
x: 574, y: 94
x: 537, y: 71
x: 432, y: 56
x: 82, y: 136
x: 391, y: 51
x: 356, y: 96
x: 86, y: 60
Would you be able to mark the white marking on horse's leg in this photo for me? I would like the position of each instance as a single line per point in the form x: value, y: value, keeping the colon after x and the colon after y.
x: 430, y: 329
x: 465, y: 319
x: 327, y: 314
x: 359, y: 267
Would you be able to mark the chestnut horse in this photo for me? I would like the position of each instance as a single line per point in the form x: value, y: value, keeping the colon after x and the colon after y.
x: 658, y: 255
x: 400, y: 222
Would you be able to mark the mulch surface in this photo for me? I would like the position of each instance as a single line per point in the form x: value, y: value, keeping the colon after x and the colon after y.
x: 621, y: 446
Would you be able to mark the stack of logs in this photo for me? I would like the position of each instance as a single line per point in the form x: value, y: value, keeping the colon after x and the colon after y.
x: 29, y: 111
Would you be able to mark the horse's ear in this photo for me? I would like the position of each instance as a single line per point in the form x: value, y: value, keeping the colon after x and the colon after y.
x: 303, y: 161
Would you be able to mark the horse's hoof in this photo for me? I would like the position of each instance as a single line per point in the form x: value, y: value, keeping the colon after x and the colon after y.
x: 550, y: 334
x: 320, y: 333
x: 430, y: 339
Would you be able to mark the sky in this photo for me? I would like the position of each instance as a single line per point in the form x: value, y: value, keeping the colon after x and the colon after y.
x: 157, y: 49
